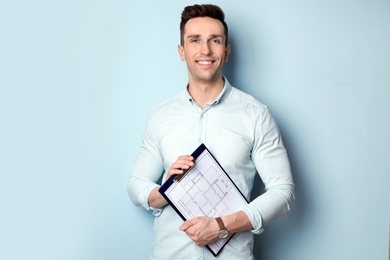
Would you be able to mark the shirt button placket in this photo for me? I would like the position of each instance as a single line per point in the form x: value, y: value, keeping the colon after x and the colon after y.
x: 201, y: 127
x: 203, y: 123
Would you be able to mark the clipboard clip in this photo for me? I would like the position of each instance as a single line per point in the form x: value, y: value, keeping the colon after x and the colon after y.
x: 178, y: 177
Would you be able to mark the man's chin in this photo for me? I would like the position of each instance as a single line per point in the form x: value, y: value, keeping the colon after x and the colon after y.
x: 207, y: 77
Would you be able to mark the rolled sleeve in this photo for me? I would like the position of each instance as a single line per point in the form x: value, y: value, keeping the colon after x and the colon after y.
x: 275, y: 202
x: 139, y: 191
x: 255, y: 219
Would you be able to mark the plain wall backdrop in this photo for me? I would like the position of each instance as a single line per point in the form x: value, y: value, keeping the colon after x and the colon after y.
x: 79, y: 78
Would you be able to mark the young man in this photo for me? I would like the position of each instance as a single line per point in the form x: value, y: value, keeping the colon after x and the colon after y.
x: 237, y: 129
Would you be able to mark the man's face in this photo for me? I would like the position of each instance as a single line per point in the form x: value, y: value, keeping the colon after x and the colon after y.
x: 204, y: 49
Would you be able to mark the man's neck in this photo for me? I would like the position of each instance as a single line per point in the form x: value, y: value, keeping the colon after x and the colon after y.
x: 203, y: 92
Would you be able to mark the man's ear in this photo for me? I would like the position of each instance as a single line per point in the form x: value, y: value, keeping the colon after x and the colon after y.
x: 227, y: 52
x: 180, y: 50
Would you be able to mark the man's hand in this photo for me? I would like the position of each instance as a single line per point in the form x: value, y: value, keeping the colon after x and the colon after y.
x: 202, y: 230
x: 182, y: 164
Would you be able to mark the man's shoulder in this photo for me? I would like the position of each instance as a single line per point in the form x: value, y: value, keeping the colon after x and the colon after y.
x: 168, y: 104
x: 244, y: 99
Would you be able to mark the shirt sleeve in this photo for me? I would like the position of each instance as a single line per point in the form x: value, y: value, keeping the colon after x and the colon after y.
x: 147, y: 170
x: 272, y: 164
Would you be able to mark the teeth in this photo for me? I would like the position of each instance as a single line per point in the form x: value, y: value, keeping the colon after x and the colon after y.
x: 204, y: 62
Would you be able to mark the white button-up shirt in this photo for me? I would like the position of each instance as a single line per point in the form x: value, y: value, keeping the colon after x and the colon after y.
x: 242, y: 135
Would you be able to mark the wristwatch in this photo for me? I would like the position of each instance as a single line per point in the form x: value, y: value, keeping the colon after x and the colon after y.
x: 223, y: 233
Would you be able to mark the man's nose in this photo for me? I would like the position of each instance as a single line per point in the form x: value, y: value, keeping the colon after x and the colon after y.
x: 206, y: 50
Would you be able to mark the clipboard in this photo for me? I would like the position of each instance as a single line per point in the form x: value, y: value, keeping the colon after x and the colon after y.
x: 204, y: 190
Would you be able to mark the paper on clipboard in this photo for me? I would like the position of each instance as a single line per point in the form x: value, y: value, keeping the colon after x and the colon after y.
x: 204, y: 190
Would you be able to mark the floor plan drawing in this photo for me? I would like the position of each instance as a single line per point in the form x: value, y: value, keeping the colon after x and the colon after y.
x: 205, y: 193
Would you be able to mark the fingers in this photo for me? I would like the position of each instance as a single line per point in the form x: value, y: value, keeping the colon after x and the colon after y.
x: 182, y: 164
x: 190, y: 228
x: 187, y: 224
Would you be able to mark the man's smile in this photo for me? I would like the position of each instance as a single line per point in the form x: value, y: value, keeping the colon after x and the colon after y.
x: 205, y: 62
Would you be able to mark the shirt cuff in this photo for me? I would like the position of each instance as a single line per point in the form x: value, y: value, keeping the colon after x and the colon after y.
x: 143, y: 199
x: 255, y: 219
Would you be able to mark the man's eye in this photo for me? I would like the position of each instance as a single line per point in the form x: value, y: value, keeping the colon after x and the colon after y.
x: 194, y: 41
x: 216, y: 41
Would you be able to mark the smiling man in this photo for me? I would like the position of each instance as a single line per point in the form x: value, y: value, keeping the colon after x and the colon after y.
x: 238, y: 130
x: 204, y: 49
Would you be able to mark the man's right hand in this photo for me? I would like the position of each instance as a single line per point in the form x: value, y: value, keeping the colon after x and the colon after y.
x: 182, y: 164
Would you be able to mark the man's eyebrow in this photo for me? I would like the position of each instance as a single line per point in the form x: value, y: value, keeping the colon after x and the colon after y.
x: 193, y: 36
x: 216, y: 36
x: 211, y: 36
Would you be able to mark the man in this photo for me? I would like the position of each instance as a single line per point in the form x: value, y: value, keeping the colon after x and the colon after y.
x: 237, y: 129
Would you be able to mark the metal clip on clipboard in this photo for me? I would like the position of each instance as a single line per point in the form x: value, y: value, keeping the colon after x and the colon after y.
x: 178, y: 177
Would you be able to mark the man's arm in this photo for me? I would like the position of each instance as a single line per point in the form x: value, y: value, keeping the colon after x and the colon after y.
x: 264, y: 209
x: 147, y: 168
x: 271, y: 161
x: 204, y: 230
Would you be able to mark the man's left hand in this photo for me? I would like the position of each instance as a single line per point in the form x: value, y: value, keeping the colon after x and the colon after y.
x: 202, y: 230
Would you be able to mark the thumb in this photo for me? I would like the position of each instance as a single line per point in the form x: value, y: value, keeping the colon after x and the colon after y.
x: 186, y: 225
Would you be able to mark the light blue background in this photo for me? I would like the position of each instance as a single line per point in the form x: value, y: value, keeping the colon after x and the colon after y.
x: 78, y: 79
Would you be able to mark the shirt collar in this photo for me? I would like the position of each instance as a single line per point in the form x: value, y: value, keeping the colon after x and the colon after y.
x: 224, y: 93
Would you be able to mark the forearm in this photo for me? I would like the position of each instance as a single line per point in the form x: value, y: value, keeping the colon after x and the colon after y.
x: 204, y: 230
x: 269, y: 206
x: 156, y: 200
x: 237, y: 222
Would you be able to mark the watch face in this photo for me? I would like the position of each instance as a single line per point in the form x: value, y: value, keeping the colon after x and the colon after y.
x: 223, y: 233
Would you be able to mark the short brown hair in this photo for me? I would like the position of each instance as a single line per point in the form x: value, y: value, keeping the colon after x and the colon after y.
x: 196, y: 11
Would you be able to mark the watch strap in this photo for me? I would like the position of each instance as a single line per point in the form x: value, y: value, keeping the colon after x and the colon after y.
x: 220, y: 223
